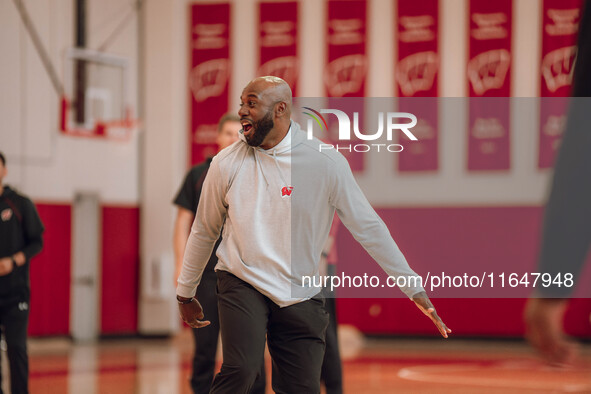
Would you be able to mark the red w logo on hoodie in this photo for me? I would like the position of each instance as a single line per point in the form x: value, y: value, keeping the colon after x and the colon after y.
x: 286, y: 191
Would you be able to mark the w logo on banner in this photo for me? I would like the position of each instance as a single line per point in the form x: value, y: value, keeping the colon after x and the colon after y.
x: 345, y: 75
x: 488, y: 70
x: 557, y: 67
x: 416, y: 72
x: 285, y: 67
x: 209, y: 79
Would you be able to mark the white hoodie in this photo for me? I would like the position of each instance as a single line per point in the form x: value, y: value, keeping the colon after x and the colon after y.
x: 276, y: 207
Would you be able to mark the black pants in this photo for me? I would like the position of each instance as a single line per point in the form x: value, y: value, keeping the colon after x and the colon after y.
x: 14, y: 319
x: 332, y: 372
x: 295, y: 336
x: 206, y: 340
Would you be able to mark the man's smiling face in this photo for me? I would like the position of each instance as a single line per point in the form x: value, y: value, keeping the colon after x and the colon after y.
x: 256, y: 115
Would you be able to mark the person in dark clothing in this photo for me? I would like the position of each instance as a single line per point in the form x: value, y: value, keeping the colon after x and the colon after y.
x: 186, y: 200
x: 331, y: 373
x: 566, y: 235
x: 20, y: 240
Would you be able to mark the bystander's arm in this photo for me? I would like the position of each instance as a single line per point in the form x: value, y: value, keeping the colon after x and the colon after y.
x: 33, y: 231
x: 182, y: 227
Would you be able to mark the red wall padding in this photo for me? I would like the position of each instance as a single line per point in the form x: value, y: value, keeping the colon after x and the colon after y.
x: 50, y: 274
x: 120, y: 271
x: 455, y: 237
x: 502, y: 317
x: 424, y: 234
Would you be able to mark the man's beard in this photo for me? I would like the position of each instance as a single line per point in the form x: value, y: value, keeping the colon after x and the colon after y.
x: 261, y: 129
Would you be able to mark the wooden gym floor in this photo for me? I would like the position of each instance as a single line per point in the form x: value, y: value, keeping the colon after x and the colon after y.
x: 371, y: 365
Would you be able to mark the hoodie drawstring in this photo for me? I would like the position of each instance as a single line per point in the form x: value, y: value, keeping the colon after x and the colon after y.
x: 279, y: 169
x: 258, y: 163
x: 261, y: 166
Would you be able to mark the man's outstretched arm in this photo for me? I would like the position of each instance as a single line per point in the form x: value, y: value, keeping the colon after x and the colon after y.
x: 372, y: 233
x: 182, y: 228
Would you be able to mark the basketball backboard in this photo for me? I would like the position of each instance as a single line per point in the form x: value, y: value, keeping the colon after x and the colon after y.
x: 95, y: 89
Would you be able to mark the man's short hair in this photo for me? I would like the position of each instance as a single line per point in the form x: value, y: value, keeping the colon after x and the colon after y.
x: 2, y: 159
x: 229, y: 117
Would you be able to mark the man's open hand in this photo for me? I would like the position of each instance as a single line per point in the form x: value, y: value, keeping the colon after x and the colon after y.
x: 192, y: 313
x: 424, y: 304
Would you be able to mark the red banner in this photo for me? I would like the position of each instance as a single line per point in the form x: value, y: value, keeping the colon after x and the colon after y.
x: 489, y: 75
x: 417, y: 66
x: 278, y: 41
x: 346, y: 70
x: 209, y: 38
x: 560, y: 23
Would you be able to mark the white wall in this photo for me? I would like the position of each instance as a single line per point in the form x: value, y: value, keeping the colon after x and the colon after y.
x: 164, y: 157
x: 42, y: 162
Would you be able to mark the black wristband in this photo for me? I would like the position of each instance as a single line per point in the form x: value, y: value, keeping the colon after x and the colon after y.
x: 14, y: 264
x: 184, y: 302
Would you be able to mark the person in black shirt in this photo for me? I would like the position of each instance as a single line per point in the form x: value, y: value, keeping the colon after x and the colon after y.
x: 20, y: 240
x: 186, y: 200
x: 566, y: 235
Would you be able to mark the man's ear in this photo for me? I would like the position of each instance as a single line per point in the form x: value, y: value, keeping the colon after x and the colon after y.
x: 280, y: 109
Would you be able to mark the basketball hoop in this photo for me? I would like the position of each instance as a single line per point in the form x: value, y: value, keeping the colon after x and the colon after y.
x: 94, y: 102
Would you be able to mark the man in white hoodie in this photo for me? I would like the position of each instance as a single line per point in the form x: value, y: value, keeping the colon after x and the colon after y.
x: 275, y: 194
